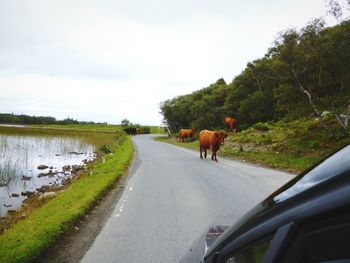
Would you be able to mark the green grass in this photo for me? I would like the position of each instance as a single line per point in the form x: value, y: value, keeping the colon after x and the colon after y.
x: 157, y: 130
x: 88, y: 127
x: 96, y: 127
x: 271, y: 159
x: 94, y: 137
x: 294, y: 146
x: 190, y: 145
x: 27, y: 239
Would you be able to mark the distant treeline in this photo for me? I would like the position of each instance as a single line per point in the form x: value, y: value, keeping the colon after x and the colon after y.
x: 26, y: 119
x: 304, y: 73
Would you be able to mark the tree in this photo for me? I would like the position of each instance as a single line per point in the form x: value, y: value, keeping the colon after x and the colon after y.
x: 336, y: 8
x: 125, y: 123
x: 256, y: 108
x: 299, y: 62
x: 304, y: 72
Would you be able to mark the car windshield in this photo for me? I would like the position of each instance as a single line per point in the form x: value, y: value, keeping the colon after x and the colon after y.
x: 332, y: 166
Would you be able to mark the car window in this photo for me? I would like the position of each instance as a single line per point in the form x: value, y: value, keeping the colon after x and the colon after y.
x: 329, y: 243
x: 251, y: 254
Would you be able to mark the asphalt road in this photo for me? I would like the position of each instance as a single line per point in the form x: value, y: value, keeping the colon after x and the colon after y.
x: 171, y: 197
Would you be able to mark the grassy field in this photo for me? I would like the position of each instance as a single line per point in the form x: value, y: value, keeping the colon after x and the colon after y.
x: 98, y: 136
x: 157, y: 130
x: 98, y: 127
x: 29, y: 237
x: 293, y: 146
x: 88, y: 127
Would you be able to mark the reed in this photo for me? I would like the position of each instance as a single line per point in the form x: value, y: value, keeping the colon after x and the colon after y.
x: 94, y: 137
x: 22, y: 149
x: 28, y: 238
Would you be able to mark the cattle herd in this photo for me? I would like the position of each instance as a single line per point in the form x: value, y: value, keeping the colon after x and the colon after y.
x: 207, y: 139
x: 210, y: 139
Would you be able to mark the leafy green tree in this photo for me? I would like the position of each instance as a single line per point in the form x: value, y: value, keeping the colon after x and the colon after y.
x: 125, y: 123
x: 299, y: 60
x: 256, y: 108
x: 305, y: 72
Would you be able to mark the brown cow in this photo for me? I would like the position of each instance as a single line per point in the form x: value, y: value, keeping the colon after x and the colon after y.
x: 211, y: 140
x: 186, y: 133
x: 231, y: 123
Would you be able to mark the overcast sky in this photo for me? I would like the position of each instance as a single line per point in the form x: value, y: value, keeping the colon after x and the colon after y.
x: 109, y: 60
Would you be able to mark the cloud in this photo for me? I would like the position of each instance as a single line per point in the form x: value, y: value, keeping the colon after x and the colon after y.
x: 107, y: 60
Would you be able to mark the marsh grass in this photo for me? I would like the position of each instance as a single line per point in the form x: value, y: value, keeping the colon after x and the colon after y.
x: 22, y: 149
x: 29, y: 237
x: 95, y: 137
x: 83, y: 127
x: 7, y: 172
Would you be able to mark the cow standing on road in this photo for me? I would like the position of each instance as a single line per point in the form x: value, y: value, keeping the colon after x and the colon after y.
x: 231, y: 123
x: 186, y: 133
x: 211, y: 140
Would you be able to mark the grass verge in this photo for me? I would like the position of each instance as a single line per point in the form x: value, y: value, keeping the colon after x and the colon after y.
x: 292, y: 146
x: 27, y: 239
x: 269, y: 159
x: 190, y: 145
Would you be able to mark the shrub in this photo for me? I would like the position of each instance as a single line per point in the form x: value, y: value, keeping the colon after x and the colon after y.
x: 261, y: 126
x: 105, y: 149
x: 145, y: 130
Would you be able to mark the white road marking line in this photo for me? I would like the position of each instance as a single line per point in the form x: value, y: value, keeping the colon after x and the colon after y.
x: 130, y: 189
x: 122, y: 205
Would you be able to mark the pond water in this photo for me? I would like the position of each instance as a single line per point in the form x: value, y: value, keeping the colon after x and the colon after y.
x: 21, y: 157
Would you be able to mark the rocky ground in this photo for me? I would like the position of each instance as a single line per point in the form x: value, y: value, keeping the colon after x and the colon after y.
x: 71, y: 248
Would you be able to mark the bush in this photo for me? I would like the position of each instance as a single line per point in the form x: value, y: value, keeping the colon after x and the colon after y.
x: 261, y: 126
x: 145, y: 130
x: 256, y: 108
x: 105, y: 149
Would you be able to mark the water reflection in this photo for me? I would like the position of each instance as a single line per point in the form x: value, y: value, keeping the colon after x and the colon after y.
x: 20, y: 156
